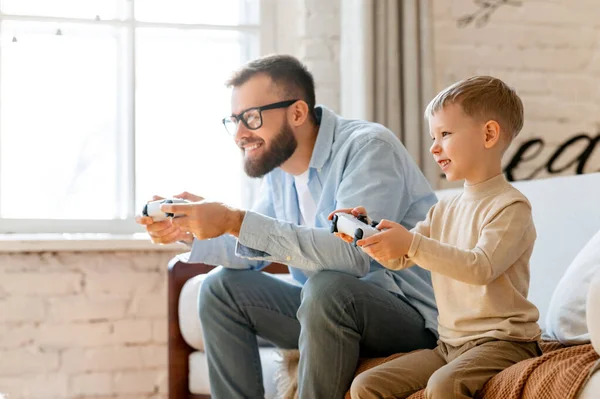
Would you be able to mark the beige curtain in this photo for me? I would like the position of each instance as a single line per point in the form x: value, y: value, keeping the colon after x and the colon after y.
x: 390, y: 41
x: 387, y: 49
x: 401, y: 74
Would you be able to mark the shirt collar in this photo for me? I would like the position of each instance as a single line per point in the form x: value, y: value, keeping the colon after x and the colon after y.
x: 324, y: 143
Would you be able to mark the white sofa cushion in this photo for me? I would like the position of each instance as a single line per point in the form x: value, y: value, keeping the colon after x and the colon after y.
x: 593, y: 312
x: 189, y: 319
x: 566, y: 321
x: 591, y: 390
x: 198, y: 381
x: 565, y: 213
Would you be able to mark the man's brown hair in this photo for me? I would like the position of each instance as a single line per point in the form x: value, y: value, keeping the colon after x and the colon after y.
x: 287, y: 73
x: 483, y: 98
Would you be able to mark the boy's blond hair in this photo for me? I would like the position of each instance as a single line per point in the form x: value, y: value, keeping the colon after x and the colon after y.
x: 483, y: 98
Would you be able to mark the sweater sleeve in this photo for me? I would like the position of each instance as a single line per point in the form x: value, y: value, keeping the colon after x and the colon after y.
x: 422, y: 228
x: 501, y: 242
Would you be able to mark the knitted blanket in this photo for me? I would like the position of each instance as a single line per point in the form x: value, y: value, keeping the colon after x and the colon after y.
x: 559, y: 373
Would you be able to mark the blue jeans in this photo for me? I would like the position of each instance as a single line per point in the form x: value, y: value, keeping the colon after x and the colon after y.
x: 334, y: 319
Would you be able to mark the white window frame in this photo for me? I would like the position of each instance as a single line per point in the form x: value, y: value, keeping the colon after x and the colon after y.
x: 267, y: 33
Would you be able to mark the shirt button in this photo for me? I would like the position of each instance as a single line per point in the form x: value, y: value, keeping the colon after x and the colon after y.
x: 319, y: 170
x: 288, y: 258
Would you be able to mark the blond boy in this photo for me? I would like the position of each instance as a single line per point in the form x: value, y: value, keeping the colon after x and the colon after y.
x: 477, y: 245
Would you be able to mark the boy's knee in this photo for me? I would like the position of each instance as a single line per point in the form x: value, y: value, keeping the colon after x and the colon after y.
x: 442, y: 384
x: 364, y: 387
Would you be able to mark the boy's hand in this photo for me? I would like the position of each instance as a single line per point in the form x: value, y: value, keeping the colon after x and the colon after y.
x: 393, y: 243
x: 359, y: 210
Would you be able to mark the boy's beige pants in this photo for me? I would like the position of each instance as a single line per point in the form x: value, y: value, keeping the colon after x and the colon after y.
x: 445, y: 372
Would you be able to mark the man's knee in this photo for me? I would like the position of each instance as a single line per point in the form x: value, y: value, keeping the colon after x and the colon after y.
x: 326, y: 296
x: 328, y: 285
x: 328, y: 288
x: 216, y: 287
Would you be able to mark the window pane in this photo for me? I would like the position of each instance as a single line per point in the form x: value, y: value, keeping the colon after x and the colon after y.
x: 221, y: 12
x: 180, y: 100
x: 105, y: 9
x: 58, y: 122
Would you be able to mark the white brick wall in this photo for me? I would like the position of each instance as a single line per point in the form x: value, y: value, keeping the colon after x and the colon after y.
x: 319, y: 48
x: 310, y: 30
x: 549, y: 50
x: 83, y: 325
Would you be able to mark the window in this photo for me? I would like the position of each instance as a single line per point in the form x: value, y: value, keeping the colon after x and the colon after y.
x: 104, y: 103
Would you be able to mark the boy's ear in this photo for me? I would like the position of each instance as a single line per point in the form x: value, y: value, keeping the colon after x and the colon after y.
x: 492, y: 133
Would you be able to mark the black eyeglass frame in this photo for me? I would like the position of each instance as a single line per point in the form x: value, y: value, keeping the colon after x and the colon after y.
x: 239, y: 117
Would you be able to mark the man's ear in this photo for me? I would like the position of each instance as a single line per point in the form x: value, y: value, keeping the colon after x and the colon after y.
x: 299, y: 112
x: 492, y: 133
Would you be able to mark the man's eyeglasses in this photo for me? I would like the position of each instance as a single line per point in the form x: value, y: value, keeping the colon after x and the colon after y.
x: 252, y: 117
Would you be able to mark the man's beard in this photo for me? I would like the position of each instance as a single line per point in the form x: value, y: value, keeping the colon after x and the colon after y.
x: 280, y: 150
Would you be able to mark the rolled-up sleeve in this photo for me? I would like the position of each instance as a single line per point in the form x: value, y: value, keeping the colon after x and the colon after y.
x: 373, y: 177
x: 222, y: 250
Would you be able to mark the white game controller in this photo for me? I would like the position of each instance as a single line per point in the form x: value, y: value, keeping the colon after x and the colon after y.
x: 356, y: 227
x: 152, y: 209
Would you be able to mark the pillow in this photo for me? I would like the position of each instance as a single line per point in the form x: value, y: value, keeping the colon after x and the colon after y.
x: 593, y: 313
x: 566, y: 318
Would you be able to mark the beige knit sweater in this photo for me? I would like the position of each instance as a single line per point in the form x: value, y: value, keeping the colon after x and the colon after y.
x: 477, y: 246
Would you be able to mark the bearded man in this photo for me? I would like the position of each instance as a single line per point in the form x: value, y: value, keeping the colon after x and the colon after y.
x: 343, y: 305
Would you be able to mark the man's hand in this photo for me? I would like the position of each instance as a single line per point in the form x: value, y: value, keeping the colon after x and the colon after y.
x: 163, y: 232
x: 188, y: 196
x: 206, y: 219
x: 393, y: 243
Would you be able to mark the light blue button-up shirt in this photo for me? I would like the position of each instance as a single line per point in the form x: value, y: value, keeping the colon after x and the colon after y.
x: 353, y: 163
